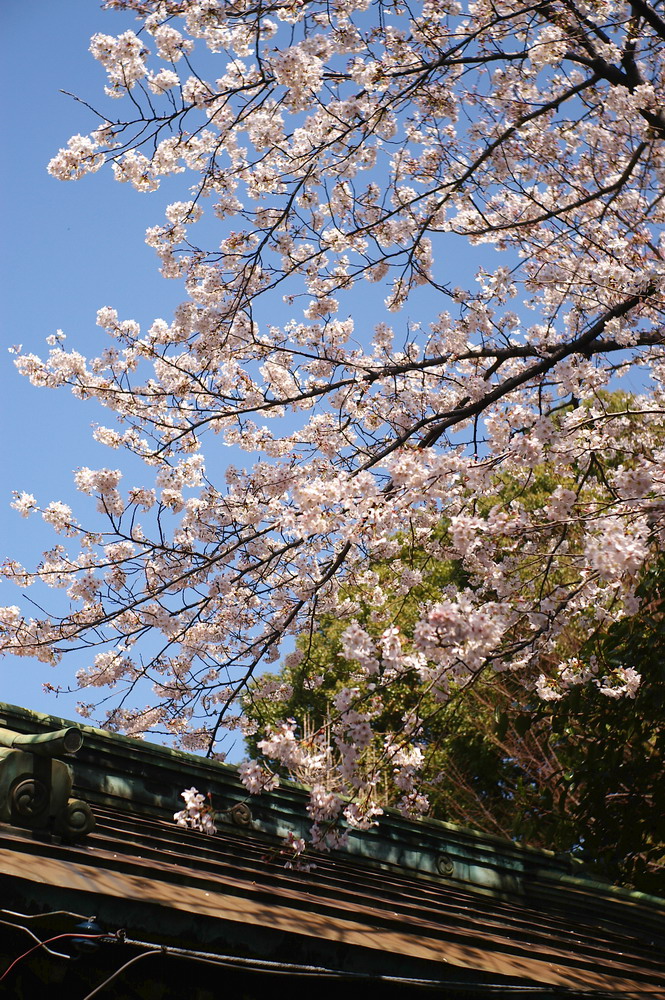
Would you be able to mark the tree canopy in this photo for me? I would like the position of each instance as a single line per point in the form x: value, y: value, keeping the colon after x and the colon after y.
x: 484, y: 180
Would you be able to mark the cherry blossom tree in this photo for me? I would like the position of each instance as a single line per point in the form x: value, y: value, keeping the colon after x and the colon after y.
x: 342, y: 159
x: 580, y: 774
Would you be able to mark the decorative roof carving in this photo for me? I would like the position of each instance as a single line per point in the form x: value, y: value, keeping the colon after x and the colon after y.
x: 36, y: 786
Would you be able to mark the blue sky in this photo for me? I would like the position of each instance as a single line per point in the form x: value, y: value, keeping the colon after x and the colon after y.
x: 66, y: 250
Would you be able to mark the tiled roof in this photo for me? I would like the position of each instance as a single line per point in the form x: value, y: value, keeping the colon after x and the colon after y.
x: 543, y: 925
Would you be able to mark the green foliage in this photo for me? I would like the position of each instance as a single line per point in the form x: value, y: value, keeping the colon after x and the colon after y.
x: 612, y: 752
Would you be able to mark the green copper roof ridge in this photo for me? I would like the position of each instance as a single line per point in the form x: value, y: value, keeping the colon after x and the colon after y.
x: 289, y: 784
x: 45, y: 719
x: 494, y: 848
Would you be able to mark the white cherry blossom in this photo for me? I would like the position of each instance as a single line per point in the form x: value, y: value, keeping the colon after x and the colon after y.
x: 416, y: 250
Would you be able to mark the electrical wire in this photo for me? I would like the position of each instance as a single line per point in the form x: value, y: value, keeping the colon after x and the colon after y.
x: 48, y: 913
x: 285, y: 968
x: 290, y: 969
x: 265, y: 965
x: 118, y: 972
x: 273, y: 968
x: 41, y: 944
x: 18, y: 927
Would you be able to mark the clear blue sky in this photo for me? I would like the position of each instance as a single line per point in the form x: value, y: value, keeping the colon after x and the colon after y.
x: 66, y: 250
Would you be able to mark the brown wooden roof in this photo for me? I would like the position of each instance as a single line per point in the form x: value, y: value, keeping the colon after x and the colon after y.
x: 565, y: 937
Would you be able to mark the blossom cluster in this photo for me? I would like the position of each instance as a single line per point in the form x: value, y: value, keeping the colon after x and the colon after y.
x: 197, y: 814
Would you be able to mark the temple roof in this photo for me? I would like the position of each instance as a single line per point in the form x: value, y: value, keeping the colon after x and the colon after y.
x: 422, y: 904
